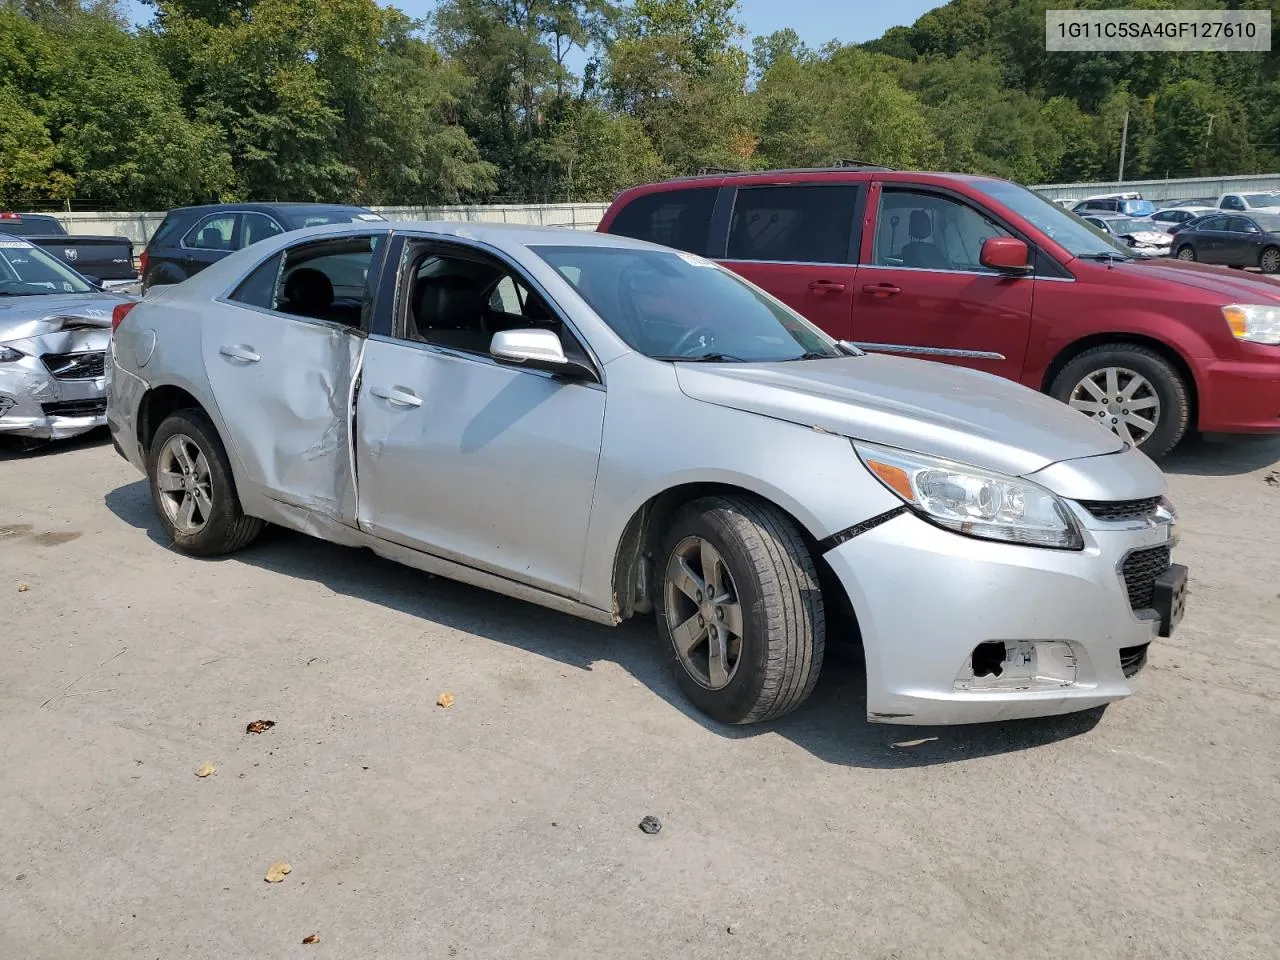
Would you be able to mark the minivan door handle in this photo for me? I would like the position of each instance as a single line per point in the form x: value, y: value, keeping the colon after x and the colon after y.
x: 400, y: 396
x: 882, y: 290
x: 825, y: 286
x: 241, y: 351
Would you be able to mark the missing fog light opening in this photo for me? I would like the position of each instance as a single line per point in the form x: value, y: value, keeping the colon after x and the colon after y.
x: 1018, y: 665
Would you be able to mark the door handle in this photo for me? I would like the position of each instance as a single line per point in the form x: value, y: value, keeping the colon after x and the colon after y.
x: 823, y: 286
x: 881, y: 290
x: 241, y: 351
x: 400, y: 396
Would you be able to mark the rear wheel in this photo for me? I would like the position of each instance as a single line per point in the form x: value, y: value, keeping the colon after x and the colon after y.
x: 193, y: 490
x: 1269, y: 261
x: 1186, y: 253
x: 1132, y: 391
x: 741, y: 608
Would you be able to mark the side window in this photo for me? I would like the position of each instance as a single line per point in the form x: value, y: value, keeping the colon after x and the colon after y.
x: 1212, y: 223
x: 328, y: 280
x: 258, y: 289
x: 257, y: 226
x: 212, y: 233
x: 931, y: 232
x: 1231, y: 203
x: 674, y: 218
x: 799, y: 224
x: 508, y: 297
x: 1241, y: 225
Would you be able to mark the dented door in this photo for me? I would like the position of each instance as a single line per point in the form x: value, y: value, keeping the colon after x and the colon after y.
x: 283, y: 388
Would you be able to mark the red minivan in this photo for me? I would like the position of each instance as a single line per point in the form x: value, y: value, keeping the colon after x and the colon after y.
x: 988, y: 274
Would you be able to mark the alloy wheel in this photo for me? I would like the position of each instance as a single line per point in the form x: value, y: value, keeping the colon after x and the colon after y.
x: 186, y: 486
x: 1120, y: 399
x: 704, y: 614
x: 1270, y: 261
x: 1186, y: 253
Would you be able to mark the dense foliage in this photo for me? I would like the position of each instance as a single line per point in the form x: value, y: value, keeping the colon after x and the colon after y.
x: 553, y: 100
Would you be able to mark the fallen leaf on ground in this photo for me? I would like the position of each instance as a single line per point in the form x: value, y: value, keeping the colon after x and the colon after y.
x: 206, y: 769
x: 23, y: 588
x: 650, y: 825
x: 445, y: 700
x: 311, y: 938
x: 259, y: 726
x: 276, y: 872
x: 1272, y: 478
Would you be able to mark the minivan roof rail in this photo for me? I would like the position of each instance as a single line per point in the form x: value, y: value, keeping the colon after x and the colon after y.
x: 842, y: 164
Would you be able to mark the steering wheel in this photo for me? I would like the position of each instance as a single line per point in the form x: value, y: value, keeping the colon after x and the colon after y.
x: 682, y: 345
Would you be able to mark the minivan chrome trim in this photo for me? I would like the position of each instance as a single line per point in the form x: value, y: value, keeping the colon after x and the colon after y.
x: 926, y: 351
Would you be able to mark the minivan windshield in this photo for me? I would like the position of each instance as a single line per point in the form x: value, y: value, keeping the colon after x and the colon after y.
x: 677, y: 306
x: 1066, y: 229
x: 27, y: 271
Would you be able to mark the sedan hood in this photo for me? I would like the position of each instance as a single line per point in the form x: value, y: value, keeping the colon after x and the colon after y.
x: 931, y: 408
x: 31, y: 316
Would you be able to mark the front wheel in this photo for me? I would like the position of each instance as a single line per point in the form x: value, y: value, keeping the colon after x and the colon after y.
x: 1269, y: 261
x: 1132, y: 391
x: 741, y: 607
x: 193, y: 489
x: 1186, y: 253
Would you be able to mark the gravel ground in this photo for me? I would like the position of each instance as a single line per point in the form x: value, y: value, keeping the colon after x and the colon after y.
x: 506, y: 825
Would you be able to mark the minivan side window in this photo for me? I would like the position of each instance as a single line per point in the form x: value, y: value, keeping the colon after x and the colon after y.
x: 673, y: 218
x: 794, y: 224
x: 931, y: 232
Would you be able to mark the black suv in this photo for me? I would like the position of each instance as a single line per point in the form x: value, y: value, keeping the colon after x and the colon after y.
x: 191, y: 238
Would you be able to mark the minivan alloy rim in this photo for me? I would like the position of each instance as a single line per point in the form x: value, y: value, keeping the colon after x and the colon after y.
x: 186, y: 485
x: 1120, y: 399
x: 704, y: 614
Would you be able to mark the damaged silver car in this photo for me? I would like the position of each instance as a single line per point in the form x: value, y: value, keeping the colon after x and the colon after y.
x: 612, y: 428
x: 54, y: 330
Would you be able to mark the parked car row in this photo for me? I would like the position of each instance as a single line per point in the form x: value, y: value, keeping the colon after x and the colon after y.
x: 103, y: 261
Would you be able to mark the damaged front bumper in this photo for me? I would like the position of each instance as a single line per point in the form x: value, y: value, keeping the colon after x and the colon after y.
x: 56, y: 389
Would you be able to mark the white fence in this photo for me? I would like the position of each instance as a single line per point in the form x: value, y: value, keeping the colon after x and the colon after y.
x: 138, y: 227
x: 1186, y: 189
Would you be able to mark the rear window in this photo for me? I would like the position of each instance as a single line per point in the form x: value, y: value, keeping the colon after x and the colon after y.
x: 168, y: 226
x: 31, y: 225
x: 673, y: 218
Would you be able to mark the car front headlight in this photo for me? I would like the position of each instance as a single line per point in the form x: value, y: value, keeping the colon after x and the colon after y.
x: 974, y: 502
x: 9, y: 355
x: 1257, y: 324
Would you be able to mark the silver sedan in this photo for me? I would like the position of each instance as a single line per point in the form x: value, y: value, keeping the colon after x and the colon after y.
x: 611, y: 429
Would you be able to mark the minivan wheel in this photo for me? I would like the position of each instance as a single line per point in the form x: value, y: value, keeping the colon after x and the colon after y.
x: 193, y: 490
x: 741, y: 607
x: 1132, y: 391
x: 1269, y: 262
x: 1186, y: 253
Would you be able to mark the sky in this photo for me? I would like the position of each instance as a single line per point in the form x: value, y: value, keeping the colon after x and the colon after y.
x: 817, y: 21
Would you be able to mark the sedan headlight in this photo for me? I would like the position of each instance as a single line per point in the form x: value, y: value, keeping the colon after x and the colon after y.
x: 1254, y: 323
x: 973, y: 501
x: 9, y: 355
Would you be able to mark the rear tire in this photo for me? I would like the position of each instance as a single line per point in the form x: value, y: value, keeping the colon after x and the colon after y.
x: 1174, y: 401
x: 1186, y: 253
x: 193, y: 490
x: 1269, y: 260
x: 764, y: 585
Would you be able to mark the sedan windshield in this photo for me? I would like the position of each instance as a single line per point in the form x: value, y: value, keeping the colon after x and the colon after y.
x: 675, y: 306
x: 27, y: 271
x: 1068, y: 230
x: 1135, y: 225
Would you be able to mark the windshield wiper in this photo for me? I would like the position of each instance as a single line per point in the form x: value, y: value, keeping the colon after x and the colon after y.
x: 705, y: 358
x: 814, y: 355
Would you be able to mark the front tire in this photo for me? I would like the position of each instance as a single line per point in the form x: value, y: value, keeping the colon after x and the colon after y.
x: 193, y: 490
x: 1133, y: 391
x: 1269, y: 260
x: 1186, y: 253
x: 740, y: 605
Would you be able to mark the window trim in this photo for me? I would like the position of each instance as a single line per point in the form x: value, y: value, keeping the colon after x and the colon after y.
x: 720, y: 244
x: 414, y: 243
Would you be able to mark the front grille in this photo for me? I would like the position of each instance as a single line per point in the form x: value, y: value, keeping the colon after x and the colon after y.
x: 1140, y: 570
x: 1121, y: 509
x: 75, y: 408
x: 1133, y: 659
x: 75, y: 366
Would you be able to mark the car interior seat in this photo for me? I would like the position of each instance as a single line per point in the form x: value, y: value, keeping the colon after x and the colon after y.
x: 308, y: 293
x: 920, y: 250
x: 447, y: 310
x: 211, y: 239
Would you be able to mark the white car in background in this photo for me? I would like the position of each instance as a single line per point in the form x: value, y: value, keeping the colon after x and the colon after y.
x: 1263, y: 200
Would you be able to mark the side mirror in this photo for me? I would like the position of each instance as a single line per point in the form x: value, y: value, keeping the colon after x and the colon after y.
x: 1006, y: 254
x: 536, y: 349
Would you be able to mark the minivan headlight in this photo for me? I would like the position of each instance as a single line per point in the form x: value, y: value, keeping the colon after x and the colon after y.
x: 974, y: 502
x: 1257, y: 324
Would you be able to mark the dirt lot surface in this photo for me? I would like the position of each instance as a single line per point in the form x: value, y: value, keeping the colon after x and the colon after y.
x: 506, y: 826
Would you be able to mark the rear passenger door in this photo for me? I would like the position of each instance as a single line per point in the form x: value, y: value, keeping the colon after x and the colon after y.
x: 208, y: 241
x: 1211, y: 240
x: 799, y: 242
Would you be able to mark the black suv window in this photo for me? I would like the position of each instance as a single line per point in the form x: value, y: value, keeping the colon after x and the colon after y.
x: 674, y: 218
x: 800, y: 224
x: 212, y: 233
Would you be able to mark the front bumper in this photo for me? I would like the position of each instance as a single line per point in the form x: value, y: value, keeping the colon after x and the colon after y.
x: 1240, y: 396
x: 925, y: 599
x: 36, y: 405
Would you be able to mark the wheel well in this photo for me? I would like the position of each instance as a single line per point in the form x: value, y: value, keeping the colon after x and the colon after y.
x: 157, y: 404
x: 1135, y: 339
x: 634, y: 571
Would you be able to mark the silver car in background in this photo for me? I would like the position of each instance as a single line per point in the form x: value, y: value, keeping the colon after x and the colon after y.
x: 54, y: 329
x: 612, y: 428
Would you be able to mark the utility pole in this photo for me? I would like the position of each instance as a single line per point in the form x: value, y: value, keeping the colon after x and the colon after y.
x: 1204, y: 153
x: 1124, y: 140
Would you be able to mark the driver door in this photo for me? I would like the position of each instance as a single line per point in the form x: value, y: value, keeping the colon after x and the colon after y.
x: 459, y: 456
